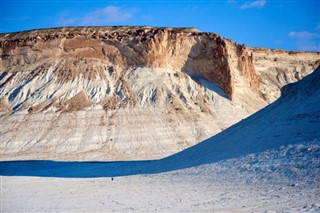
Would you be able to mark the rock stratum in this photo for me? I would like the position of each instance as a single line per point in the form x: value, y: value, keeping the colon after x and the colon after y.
x: 123, y: 93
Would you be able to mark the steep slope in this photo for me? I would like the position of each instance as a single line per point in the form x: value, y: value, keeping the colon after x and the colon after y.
x: 102, y: 93
x: 293, y: 119
x: 60, y: 57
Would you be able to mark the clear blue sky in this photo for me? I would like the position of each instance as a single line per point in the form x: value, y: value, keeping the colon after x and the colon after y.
x: 283, y: 24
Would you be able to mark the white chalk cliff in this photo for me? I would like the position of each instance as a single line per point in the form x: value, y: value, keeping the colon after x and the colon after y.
x: 116, y: 93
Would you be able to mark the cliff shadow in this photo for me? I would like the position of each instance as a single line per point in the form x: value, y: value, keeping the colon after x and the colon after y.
x: 72, y: 169
x: 206, y: 83
x: 203, y: 64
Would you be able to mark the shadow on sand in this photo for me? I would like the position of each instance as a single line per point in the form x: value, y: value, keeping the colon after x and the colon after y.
x: 70, y: 169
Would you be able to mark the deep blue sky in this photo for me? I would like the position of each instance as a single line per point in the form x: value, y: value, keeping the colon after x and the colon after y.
x: 283, y: 24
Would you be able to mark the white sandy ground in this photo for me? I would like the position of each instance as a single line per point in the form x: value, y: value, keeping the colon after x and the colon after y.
x: 269, y: 162
x: 254, y: 183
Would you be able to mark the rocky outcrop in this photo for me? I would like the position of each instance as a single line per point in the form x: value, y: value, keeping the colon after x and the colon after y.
x: 205, y: 54
x: 277, y: 68
x: 77, y: 51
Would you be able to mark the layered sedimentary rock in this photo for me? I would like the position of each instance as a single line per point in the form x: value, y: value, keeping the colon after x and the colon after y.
x: 130, y: 92
x: 277, y: 68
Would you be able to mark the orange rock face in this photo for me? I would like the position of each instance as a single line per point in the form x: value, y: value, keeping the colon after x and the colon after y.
x: 244, y: 74
x: 205, y: 54
x: 178, y: 49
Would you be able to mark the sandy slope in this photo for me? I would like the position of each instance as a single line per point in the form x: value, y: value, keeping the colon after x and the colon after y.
x: 267, y: 162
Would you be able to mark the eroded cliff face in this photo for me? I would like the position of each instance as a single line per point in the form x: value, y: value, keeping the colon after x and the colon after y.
x: 101, y: 93
x: 78, y: 51
x: 277, y: 68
